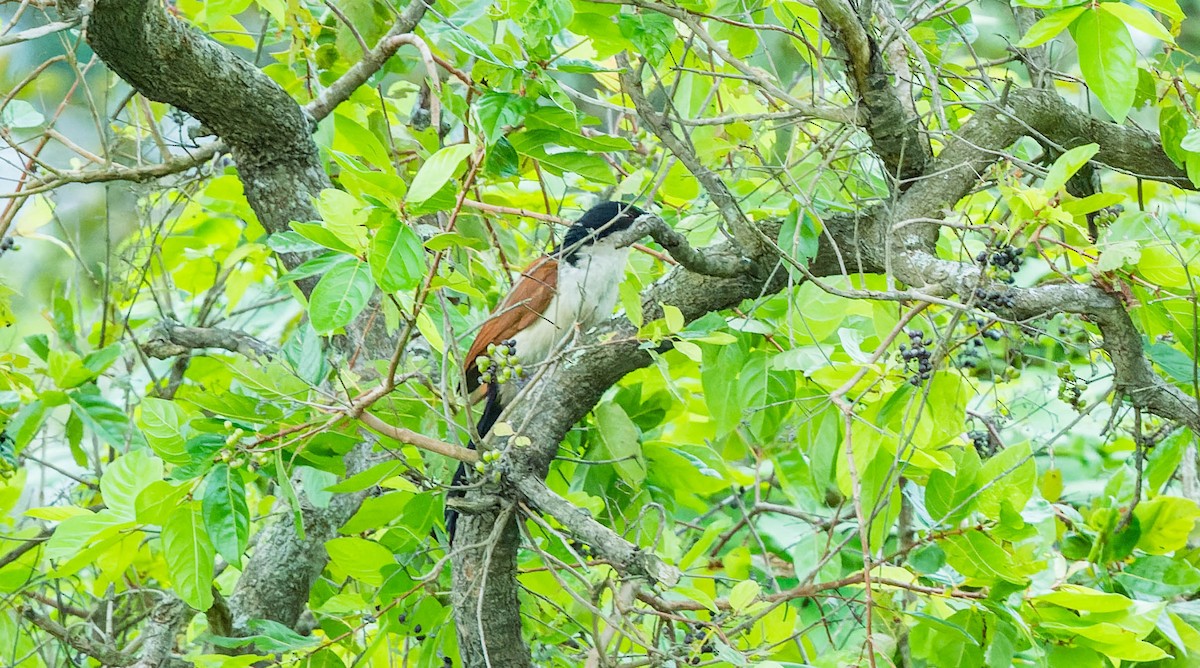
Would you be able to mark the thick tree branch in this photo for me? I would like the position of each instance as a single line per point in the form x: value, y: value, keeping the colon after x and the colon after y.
x: 171, y: 339
x: 269, y: 136
x: 895, y: 135
x: 718, y: 192
x: 627, y: 558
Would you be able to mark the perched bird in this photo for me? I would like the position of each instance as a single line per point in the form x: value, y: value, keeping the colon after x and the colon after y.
x: 575, y: 284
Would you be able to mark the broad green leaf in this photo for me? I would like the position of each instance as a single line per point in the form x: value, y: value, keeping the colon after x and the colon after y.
x: 1007, y: 478
x: 1138, y: 19
x: 1049, y: 27
x: 189, y: 555
x: 359, y: 558
x: 317, y: 266
x: 1166, y: 522
x: 437, y: 171
x: 1162, y: 266
x: 155, y: 503
x: 126, y: 477
x: 619, y: 442
x: 743, y: 594
x: 109, y: 423
x: 430, y: 331
x: 74, y: 533
x: 340, y: 295
x: 67, y: 370
x: 1085, y: 599
x: 498, y: 111
x: 56, y: 513
x: 164, y: 424
x: 226, y: 513
x: 1158, y: 576
x: 652, y: 33
x: 319, y: 234
x: 1168, y: 7
x: 981, y: 560
x: 342, y: 214
x: 1108, y: 60
x: 350, y: 137
x: 949, y: 497
x: 397, y: 258
x: 371, y: 477
x: 1068, y: 164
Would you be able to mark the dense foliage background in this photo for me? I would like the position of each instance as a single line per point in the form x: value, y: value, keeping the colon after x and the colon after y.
x: 926, y: 395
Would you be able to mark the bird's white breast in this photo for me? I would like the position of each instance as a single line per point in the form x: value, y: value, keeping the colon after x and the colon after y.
x: 587, y: 292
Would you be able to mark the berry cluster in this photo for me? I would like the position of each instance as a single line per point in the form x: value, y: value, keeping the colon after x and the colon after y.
x: 487, y: 465
x: 500, y: 364
x: 7, y: 243
x: 1071, y: 387
x: 1004, y: 261
x: 971, y: 355
x: 237, y: 457
x: 705, y: 648
x: 418, y: 632
x: 1106, y: 216
x: 918, y: 351
x: 994, y: 299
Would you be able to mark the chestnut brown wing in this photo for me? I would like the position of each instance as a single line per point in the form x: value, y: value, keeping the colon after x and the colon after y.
x: 524, y: 305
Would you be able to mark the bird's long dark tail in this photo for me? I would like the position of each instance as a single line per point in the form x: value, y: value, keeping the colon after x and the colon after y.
x: 491, y: 413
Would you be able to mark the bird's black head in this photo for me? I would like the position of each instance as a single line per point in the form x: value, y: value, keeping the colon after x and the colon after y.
x: 599, y: 222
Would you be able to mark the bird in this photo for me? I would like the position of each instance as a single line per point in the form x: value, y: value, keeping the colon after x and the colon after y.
x: 574, y: 285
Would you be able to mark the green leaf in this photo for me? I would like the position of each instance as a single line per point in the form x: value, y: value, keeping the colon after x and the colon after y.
x: 652, y: 33
x: 1138, y: 19
x: 74, y: 533
x: 340, y: 295
x: 66, y: 369
x: 541, y: 19
x: 1166, y: 522
x: 359, y: 558
x: 1168, y: 7
x: 350, y: 137
x: 980, y: 559
x: 619, y: 438
x: 189, y: 556
x: 1067, y: 165
x: 105, y: 420
x: 267, y: 636
x: 226, y: 513
x: 369, y: 478
x: 437, y: 171
x: 155, y: 503
x: 1084, y: 599
x: 1049, y: 27
x: 126, y: 477
x: 948, y: 496
x: 397, y: 258
x: 673, y: 317
x: 588, y: 166
x: 163, y: 423
x: 20, y: 114
x: 498, y: 111
x: 1008, y: 478
x: 1108, y: 60
x: 1160, y: 577
x: 343, y: 214
x: 319, y: 234
x: 743, y: 595
x: 502, y: 160
x: 317, y: 266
